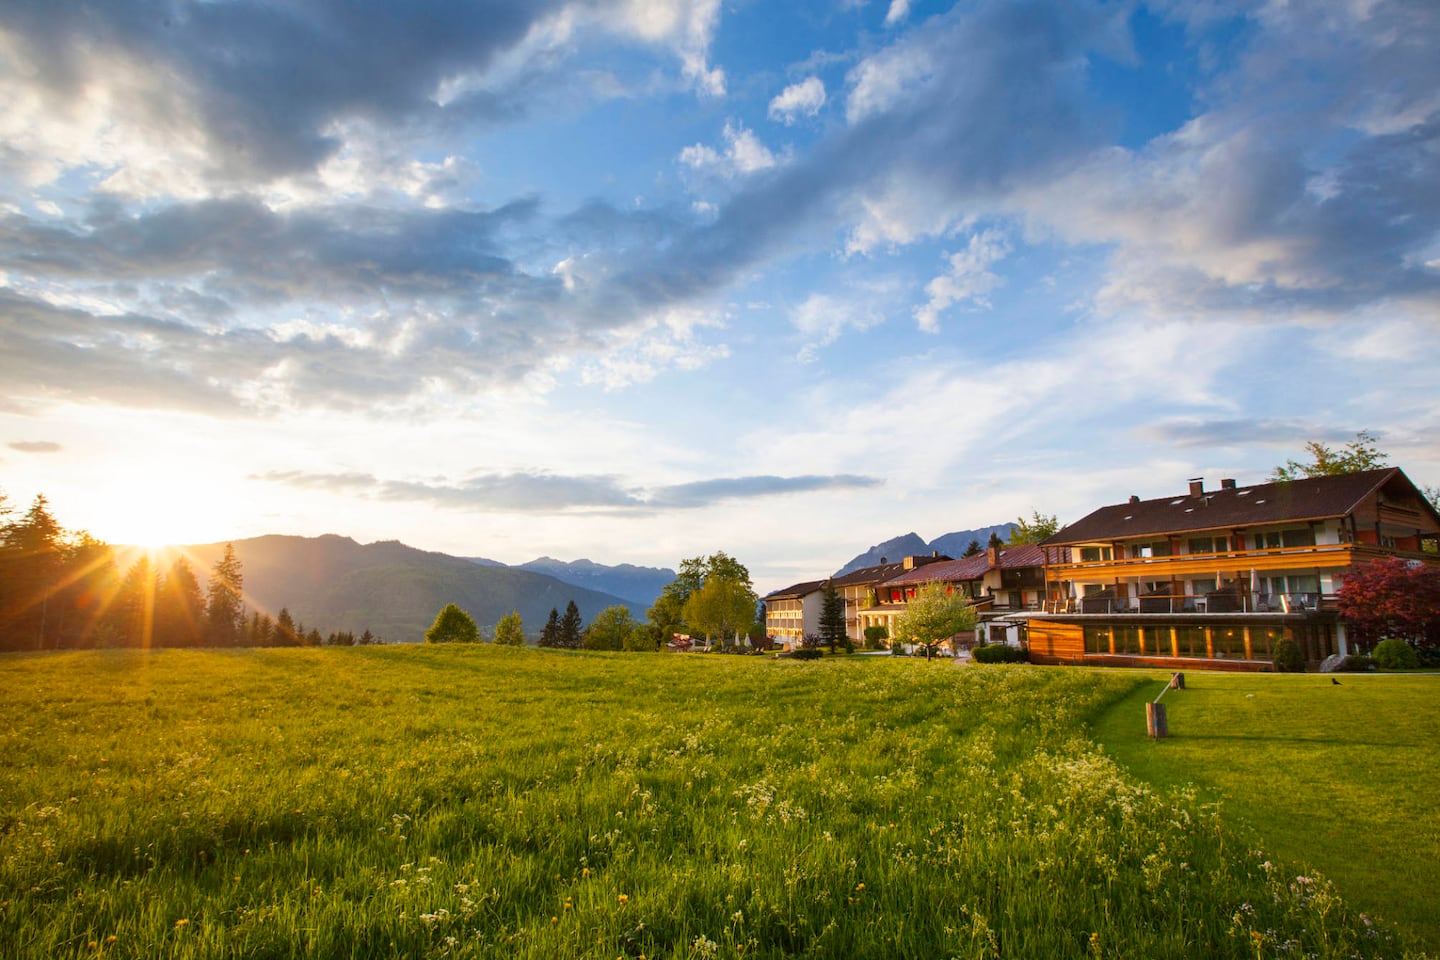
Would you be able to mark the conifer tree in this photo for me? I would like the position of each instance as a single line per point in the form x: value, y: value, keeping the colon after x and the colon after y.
x: 832, y: 617
x: 550, y: 635
x: 225, y: 604
x: 570, y: 627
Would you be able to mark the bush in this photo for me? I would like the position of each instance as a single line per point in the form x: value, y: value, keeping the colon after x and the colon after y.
x: 875, y: 637
x: 999, y: 653
x: 1288, y: 658
x: 1395, y: 654
x: 1357, y: 663
x: 805, y: 653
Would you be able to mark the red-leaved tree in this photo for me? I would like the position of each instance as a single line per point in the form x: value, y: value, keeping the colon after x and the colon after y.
x: 1392, y: 598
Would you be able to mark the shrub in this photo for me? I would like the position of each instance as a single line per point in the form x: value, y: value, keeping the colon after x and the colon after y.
x: 1288, y: 658
x: 1357, y: 663
x: 998, y: 653
x: 1395, y: 654
x: 875, y: 637
x: 805, y: 653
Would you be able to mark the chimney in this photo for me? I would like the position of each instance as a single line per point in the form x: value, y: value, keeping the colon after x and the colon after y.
x: 1197, y: 486
x: 1134, y: 498
x: 1227, y: 484
x: 992, y: 555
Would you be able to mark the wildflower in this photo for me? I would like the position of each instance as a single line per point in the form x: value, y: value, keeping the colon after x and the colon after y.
x: 554, y: 919
x: 859, y: 886
x: 182, y: 922
x: 623, y: 899
x: 110, y: 940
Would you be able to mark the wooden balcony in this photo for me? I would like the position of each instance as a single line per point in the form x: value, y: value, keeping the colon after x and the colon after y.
x: 1330, y: 556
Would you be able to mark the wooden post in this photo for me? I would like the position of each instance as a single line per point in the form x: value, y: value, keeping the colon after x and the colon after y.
x: 1155, y: 724
x: 1177, y: 681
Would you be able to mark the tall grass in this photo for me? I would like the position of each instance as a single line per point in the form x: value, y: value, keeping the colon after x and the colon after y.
x: 482, y: 802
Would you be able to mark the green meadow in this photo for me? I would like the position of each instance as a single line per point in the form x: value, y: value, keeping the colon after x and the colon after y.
x: 1338, y: 778
x: 473, y: 801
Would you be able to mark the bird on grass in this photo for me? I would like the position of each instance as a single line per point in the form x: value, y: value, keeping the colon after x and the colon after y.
x: 1336, y: 682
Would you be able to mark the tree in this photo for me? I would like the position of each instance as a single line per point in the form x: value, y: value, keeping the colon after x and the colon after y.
x: 570, y: 627
x: 933, y: 616
x: 1359, y: 454
x: 509, y: 631
x: 611, y: 629
x: 285, y: 630
x: 995, y: 541
x: 225, y: 603
x: 550, y: 634
x: 667, y: 615
x: 1391, y: 598
x: 723, y: 607
x: 1037, y: 528
x: 180, y: 613
x: 34, y: 548
x: 973, y: 549
x: 832, y: 617
x: 453, y: 625
x: 133, y: 609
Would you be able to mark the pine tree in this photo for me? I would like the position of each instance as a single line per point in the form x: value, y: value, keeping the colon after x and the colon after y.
x: 180, y: 612
x: 570, y: 627
x: 550, y: 635
x: 285, y: 629
x: 832, y: 617
x: 225, y: 603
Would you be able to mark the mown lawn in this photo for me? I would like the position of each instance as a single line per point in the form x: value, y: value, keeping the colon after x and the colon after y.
x: 1341, y: 778
x: 487, y: 802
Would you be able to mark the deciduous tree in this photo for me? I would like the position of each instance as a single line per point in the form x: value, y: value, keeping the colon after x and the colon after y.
x: 1392, y: 598
x: 611, y: 629
x: 723, y: 607
x: 509, y: 630
x: 453, y: 625
x: 933, y: 616
x: 1037, y: 528
x: 1359, y: 454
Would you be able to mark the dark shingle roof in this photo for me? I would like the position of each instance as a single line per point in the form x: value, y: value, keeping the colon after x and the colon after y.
x: 1314, y: 498
x: 796, y: 591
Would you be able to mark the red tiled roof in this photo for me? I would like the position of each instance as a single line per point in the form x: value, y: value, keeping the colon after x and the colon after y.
x: 1314, y: 498
x: 974, y: 568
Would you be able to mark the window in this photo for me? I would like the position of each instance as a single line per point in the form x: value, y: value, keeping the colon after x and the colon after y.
x: 1229, y: 642
x: 1156, y: 641
x: 1209, y: 544
x: 1094, y: 554
x: 1298, y: 538
x: 1127, y: 640
x: 1097, y: 639
x: 1268, y: 541
x: 1191, y: 641
x: 1146, y: 550
x: 1263, y: 640
x: 1202, y: 587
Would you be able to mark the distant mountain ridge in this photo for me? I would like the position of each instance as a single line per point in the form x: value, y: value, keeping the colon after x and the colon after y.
x: 637, y: 584
x: 333, y: 583
x: 912, y: 545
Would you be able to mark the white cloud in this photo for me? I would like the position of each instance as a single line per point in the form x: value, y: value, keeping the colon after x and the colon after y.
x: 667, y: 340
x: 743, y: 154
x: 822, y: 319
x: 969, y: 278
x: 688, y: 26
x: 803, y: 99
x: 899, y: 10
x: 879, y: 82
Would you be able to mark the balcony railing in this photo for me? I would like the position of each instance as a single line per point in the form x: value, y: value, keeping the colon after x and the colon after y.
x: 1219, y: 602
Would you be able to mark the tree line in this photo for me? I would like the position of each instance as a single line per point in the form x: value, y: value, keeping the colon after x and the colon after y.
x: 64, y: 589
x: 712, y: 597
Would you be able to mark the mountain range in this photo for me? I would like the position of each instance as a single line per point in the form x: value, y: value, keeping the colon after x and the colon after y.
x: 333, y: 583
x: 911, y: 545
x: 638, y: 585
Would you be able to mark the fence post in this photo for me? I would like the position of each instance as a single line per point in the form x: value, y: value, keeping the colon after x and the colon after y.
x: 1155, y: 725
x: 1177, y: 681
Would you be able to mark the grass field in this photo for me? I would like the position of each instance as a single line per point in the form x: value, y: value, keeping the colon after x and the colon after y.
x: 484, y: 802
x: 1342, y: 779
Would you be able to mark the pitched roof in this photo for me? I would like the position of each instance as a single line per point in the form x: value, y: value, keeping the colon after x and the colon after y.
x: 796, y: 591
x: 974, y: 568
x: 1314, y: 498
x: 882, y: 572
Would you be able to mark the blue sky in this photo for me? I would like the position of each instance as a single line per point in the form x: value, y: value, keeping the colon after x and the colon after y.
x: 647, y: 279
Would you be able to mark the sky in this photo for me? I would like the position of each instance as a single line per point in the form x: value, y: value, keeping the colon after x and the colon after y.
x: 640, y: 280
